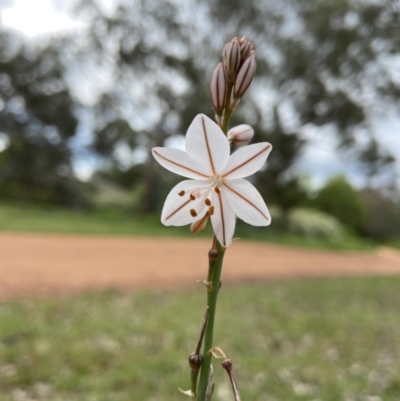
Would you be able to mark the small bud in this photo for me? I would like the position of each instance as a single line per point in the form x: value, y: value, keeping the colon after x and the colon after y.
x: 218, y: 89
x: 195, y: 361
x: 240, y: 135
x: 245, y: 76
x: 199, y: 225
x: 245, y: 49
x: 231, y: 58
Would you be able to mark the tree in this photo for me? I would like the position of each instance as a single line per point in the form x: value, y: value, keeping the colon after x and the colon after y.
x: 37, y: 120
x: 342, y: 201
x: 316, y: 60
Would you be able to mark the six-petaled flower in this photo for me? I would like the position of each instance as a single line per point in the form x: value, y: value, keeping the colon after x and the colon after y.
x: 216, y: 186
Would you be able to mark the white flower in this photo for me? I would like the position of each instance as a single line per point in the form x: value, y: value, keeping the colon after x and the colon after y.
x: 216, y: 186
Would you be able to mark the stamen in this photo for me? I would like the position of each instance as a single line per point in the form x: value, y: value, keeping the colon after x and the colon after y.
x: 181, y: 193
x: 193, y: 213
x: 211, y: 210
x: 192, y: 197
x: 217, y: 190
x: 208, y: 202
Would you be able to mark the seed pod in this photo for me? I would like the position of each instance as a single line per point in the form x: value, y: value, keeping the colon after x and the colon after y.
x: 240, y: 135
x: 218, y: 89
x: 195, y: 361
x: 245, y: 76
x: 231, y: 58
x: 213, y: 255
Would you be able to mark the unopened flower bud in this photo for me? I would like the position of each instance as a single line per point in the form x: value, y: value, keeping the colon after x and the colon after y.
x: 218, y: 89
x: 245, y: 49
x: 240, y: 135
x: 195, y: 361
x: 231, y: 58
x: 245, y: 76
x: 199, y: 225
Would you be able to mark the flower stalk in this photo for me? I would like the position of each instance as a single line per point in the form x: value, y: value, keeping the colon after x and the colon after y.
x: 212, y: 295
x: 216, y: 190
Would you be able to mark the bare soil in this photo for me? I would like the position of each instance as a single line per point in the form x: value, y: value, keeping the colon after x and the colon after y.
x: 33, y: 264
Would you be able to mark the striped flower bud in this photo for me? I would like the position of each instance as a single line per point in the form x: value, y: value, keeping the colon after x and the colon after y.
x: 245, y: 49
x: 240, y: 135
x: 231, y: 58
x: 245, y: 76
x: 218, y: 89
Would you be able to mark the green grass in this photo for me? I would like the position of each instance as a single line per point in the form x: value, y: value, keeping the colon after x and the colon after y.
x: 325, y: 339
x: 28, y: 218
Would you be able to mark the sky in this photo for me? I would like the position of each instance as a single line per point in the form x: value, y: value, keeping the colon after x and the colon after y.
x: 320, y: 158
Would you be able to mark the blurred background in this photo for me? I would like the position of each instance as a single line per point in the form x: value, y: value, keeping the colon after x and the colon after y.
x: 88, y: 87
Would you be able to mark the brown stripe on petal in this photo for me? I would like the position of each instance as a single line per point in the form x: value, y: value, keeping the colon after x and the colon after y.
x: 208, y: 146
x: 177, y: 210
x: 247, y: 161
x: 181, y: 165
x: 221, y: 208
x: 246, y: 200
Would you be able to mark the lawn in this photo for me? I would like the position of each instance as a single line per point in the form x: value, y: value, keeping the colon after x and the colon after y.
x: 327, y: 340
x: 28, y: 218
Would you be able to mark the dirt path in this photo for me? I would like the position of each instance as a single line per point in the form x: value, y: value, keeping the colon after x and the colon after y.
x: 33, y: 264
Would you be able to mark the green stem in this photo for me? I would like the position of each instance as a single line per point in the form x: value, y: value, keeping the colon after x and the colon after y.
x: 228, y: 111
x: 212, y: 292
x: 212, y: 295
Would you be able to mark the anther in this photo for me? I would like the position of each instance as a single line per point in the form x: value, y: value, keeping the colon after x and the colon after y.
x: 181, y: 193
x: 193, y: 213
x: 192, y: 197
x: 217, y: 190
x: 211, y: 210
x: 208, y: 202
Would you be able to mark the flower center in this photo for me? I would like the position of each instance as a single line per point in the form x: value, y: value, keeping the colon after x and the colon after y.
x: 216, y: 181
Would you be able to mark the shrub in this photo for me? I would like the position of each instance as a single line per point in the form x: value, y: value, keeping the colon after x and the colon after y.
x: 383, y: 216
x: 341, y: 200
x: 314, y: 224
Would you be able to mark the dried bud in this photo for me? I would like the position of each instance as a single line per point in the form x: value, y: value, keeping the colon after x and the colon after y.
x: 218, y: 89
x: 195, y: 361
x: 245, y: 76
x: 245, y: 49
x: 231, y: 58
x: 240, y: 135
x: 227, y: 365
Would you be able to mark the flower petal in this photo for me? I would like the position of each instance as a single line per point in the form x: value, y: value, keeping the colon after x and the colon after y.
x: 247, y: 160
x: 178, y: 162
x: 223, y: 219
x: 185, y: 203
x: 246, y: 202
x: 207, y: 144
